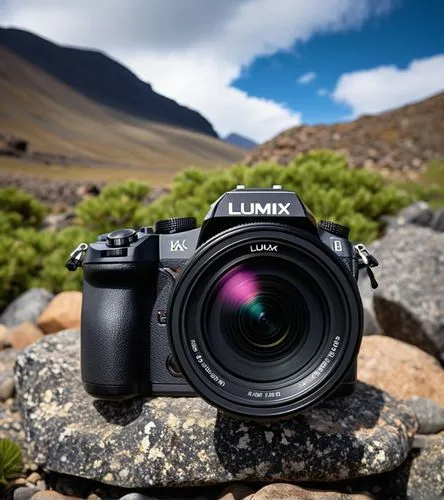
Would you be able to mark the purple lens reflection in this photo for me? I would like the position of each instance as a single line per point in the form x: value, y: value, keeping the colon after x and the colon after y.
x: 239, y: 287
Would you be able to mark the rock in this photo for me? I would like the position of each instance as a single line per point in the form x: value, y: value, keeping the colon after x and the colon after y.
x: 418, y: 213
x: 10, y: 418
x: 27, y: 307
x: 34, y: 477
x: 3, y: 330
x: 437, y: 222
x: 22, y: 335
x: 421, y: 441
x: 7, y: 388
x: 409, y: 300
x: 292, y: 492
x: 426, y: 478
x: 184, y: 441
x: 400, y: 369
x: 430, y: 415
x: 62, y: 312
x: 236, y: 491
x: 48, y: 495
x: 371, y: 326
x: 24, y: 493
x: 55, y: 222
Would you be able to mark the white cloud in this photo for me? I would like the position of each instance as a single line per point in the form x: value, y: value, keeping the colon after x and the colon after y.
x: 192, y: 50
x: 307, y: 78
x: 385, y: 87
x: 322, y: 92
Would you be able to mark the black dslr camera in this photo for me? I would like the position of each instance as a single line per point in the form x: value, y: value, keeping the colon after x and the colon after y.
x: 258, y: 311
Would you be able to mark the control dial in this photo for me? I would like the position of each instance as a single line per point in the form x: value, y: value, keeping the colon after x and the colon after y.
x: 175, y: 225
x: 121, y: 238
x: 334, y: 228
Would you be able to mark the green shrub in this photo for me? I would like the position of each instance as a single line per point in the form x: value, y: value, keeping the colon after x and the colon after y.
x: 29, y: 257
x: 116, y: 206
x: 323, y: 180
x: 19, y: 209
x: 11, y: 461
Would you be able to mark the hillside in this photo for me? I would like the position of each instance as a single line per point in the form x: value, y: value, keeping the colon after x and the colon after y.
x: 400, y: 141
x: 103, y: 80
x: 72, y: 136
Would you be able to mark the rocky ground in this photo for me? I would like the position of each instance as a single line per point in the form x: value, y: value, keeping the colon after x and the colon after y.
x: 401, y: 141
x: 383, y: 442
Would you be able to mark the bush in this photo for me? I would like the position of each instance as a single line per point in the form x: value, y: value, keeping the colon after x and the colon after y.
x: 323, y: 180
x: 19, y: 209
x: 29, y: 257
x: 116, y: 206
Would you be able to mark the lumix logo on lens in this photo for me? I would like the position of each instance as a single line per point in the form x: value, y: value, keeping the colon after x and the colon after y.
x: 259, y: 209
x: 263, y: 247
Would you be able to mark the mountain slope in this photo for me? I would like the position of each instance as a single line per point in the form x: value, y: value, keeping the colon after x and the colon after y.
x: 401, y: 141
x: 240, y: 141
x: 60, y: 121
x: 102, y: 79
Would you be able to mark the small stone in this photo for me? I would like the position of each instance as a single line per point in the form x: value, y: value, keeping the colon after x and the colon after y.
x: 3, y: 331
x: 291, y: 491
x: 421, y: 441
x: 426, y: 478
x: 34, y: 477
x: 48, y: 495
x: 23, y: 335
x: 430, y: 415
x: 19, y: 481
x: 235, y: 492
x: 27, y: 307
x: 401, y: 369
x: 24, y: 493
x: 7, y: 388
x: 135, y: 496
x: 41, y: 485
x: 63, y: 312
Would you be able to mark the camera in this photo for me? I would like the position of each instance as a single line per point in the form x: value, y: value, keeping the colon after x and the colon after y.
x: 257, y: 311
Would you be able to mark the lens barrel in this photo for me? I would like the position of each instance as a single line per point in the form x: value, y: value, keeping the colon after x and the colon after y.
x: 265, y: 320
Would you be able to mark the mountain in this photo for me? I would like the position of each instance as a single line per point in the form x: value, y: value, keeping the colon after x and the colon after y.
x: 240, y: 141
x: 72, y: 136
x: 400, y: 141
x: 103, y: 80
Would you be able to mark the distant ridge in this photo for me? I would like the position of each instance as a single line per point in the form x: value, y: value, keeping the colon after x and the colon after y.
x: 102, y: 79
x: 240, y: 141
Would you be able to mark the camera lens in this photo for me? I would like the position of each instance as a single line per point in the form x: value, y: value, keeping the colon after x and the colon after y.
x: 265, y: 333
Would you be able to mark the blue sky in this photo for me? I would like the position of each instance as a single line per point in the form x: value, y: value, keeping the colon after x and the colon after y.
x: 414, y: 29
x: 243, y: 63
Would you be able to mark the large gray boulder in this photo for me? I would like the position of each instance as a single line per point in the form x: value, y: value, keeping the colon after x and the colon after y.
x: 184, y: 441
x: 27, y: 307
x: 409, y: 302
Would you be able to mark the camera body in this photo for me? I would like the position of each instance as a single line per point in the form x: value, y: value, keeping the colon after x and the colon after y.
x: 130, y: 279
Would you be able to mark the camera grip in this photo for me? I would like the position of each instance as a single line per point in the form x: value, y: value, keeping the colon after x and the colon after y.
x: 117, y: 300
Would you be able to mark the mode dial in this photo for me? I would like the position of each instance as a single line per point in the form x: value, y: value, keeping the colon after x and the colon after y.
x: 121, y: 238
x: 175, y: 225
x: 334, y: 228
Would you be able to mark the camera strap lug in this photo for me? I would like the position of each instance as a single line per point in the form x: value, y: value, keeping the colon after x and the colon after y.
x: 367, y: 261
x: 76, y: 257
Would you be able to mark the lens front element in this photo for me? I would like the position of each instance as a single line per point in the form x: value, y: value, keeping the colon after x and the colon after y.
x: 265, y: 333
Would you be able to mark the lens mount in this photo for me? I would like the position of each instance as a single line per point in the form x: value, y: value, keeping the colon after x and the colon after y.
x: 265, y: 320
